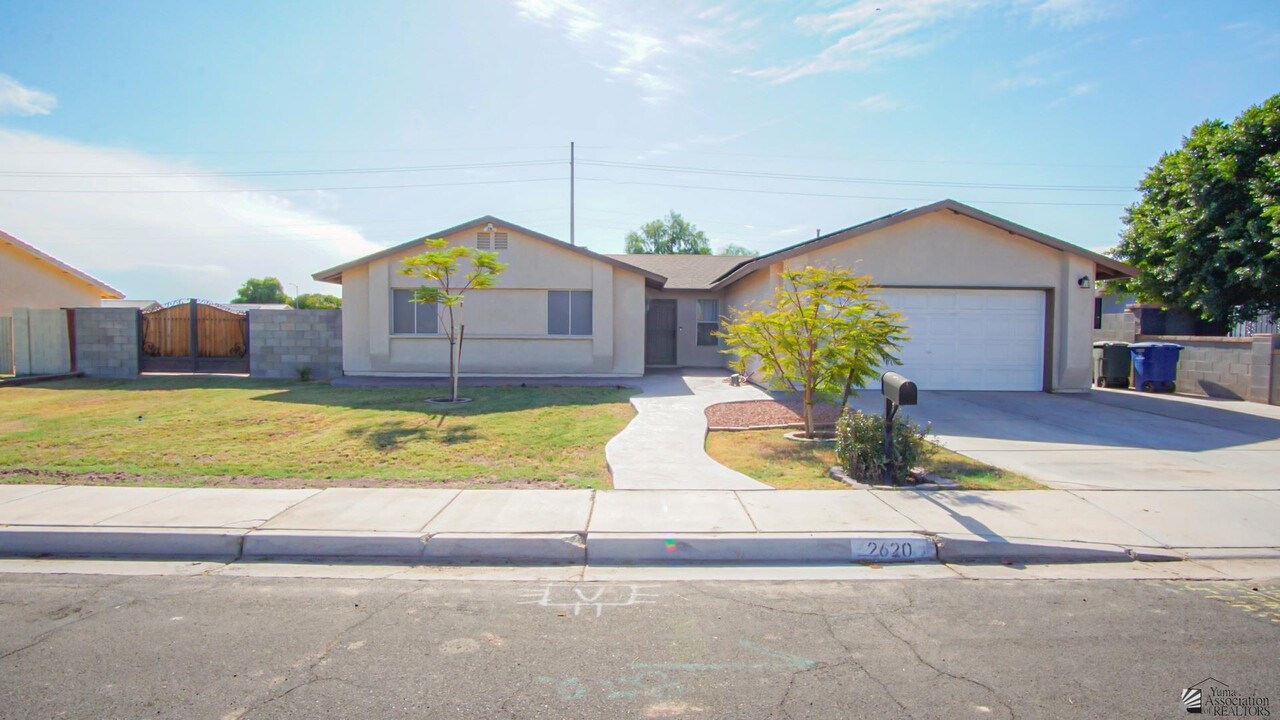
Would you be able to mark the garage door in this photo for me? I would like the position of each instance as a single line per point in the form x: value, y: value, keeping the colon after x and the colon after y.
x: 972, y: 339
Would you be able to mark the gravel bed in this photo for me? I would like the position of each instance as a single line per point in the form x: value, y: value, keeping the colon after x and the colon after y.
x: 766, y: 413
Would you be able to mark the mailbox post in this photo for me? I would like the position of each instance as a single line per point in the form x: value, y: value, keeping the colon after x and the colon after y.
x: 897, y: 391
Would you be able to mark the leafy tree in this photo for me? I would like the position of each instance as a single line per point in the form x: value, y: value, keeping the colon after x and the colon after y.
x: 1206, y: 234
x: 317, y: 301
x: 441, y: 266
x: 735, y: 249
x: 261, y: 290
x: 670, y: 236
x: 824, y: 332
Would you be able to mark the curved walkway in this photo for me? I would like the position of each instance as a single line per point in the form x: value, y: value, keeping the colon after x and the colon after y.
x: 663, y: 446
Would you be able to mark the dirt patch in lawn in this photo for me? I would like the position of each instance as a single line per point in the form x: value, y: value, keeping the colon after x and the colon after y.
x: 121, y: 479
x: 766, y: 413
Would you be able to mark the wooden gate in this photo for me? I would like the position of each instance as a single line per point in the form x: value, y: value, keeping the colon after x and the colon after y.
x: 194, y: 336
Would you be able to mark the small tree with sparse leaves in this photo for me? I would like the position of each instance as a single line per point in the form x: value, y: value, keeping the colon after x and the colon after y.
x: 824, y: 332
x: 442, y: 267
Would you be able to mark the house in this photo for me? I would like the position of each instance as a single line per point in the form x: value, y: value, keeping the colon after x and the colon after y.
x: 991, y: 305
x: 34, y: 279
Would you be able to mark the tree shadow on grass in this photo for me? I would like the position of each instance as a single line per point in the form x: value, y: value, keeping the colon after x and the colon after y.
x: 395, y: 434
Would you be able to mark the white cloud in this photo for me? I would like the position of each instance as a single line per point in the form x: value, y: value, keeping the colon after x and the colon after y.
x: 17, y: 99
x: 1067, y: 14
x: 164, y: 245
x: 1073, y: 92
x: 872, y: 31
x: 879, y: 103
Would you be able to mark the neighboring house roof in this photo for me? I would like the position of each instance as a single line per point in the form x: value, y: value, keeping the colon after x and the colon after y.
x: 258, y: 306
x: 139, y: 304
x: 1108, y: 269
x: 685, y: 272
x: 104, y: 290
x: 334, y: 274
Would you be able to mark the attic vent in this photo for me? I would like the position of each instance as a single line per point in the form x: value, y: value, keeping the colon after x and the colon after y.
x: 482, y: 240
x: 499, y: 241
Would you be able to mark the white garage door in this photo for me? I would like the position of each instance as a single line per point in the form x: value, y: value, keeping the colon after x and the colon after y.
x: 972, y: 339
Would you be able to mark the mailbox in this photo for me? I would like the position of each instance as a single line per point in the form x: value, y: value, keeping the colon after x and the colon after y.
x: 897, y: 389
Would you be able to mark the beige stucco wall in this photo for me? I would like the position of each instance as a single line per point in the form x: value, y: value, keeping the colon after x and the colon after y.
x: 688, y: 352
x: 506, y: 326
x: 948, y: 250
x: 26, y: 281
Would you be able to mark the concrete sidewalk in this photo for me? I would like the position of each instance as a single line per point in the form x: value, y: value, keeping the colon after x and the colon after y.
x: 640, y: 527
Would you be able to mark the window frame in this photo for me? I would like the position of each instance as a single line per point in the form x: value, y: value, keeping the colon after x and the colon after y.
x: 572, y: 303
x: 698, y: 322
x: 416, y: 331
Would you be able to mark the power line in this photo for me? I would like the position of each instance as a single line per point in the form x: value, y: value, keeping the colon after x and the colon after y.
x: 274, y: 173
x: 280, y: 190
x: 910, y: 161
x: 850, y: 197
x: 854, y: 180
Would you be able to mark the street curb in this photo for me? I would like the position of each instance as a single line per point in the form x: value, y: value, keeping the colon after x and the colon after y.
x: 315, y: 544
x: 652, y: 548
x: 184, y: 543
x: 506, y: 548
x: 576, y: 548
x: 983, y: 549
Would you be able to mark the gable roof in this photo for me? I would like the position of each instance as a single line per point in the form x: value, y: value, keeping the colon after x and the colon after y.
x: 104, y: 290
x: 685, y: 272
x: 334, y: 274
x: 1108, y: 269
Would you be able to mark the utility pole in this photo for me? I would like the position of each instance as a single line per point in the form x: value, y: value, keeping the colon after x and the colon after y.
x: 572, y: 240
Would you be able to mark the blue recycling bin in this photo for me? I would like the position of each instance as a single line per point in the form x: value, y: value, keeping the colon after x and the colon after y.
x: 1155, y: 366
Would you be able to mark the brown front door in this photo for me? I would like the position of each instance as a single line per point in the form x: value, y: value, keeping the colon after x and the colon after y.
x: 660, y: 333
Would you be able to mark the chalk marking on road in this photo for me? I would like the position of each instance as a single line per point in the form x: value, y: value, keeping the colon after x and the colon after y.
x: 782, y: 660
x: 575, y: 598
x: 1250, y: 597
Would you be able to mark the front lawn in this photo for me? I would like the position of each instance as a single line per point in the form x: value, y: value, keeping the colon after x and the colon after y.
x: 213, y: 431
x: 787, y: 465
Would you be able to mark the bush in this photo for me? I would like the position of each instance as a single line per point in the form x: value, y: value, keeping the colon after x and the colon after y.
x: 860, y: 446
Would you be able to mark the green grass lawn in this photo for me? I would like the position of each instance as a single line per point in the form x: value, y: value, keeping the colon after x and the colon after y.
x: 209, y: 431
x: 787, y: 465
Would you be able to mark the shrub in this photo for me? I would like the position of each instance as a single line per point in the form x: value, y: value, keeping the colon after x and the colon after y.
x: 860, y: 446
x: 304, y: 374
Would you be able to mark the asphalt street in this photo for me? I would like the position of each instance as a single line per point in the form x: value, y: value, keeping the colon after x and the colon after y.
x: 94, y: 646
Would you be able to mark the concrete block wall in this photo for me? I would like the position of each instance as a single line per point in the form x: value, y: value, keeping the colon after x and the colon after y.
x: 107, y: 342
x: 41, y: 341
x: 282, y: 341
x: 1215, y: 367
x: 1119, y: 327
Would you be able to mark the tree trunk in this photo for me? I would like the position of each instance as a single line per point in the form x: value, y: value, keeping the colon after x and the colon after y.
x: 453, y: 363
x: 848, y: 390
x: 457, y: 364
x: 808, y: 412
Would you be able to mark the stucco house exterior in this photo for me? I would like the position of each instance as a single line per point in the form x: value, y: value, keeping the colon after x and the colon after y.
x: 991, y: 305
x: 34, y: 279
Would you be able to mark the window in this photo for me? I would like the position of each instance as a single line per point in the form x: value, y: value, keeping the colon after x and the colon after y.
x: 411, y: 318
x: 568, y: 312
x: 1097, y: 313
x: 482, y: 241
x: 708, y: 321
x: 499, y: 241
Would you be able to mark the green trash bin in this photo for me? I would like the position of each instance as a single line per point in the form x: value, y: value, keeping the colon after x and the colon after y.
x: 1112, y: 363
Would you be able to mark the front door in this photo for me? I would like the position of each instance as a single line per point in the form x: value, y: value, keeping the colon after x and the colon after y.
x: 660, y: 333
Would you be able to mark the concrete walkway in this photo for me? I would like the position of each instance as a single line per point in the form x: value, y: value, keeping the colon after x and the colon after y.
x: 645, y: 527
x: 663, y: 447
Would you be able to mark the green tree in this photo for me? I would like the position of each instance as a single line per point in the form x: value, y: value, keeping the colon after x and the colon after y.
x: 261, y: 290
x: 442, y: 267
x: 317, y: 301
x: 735, y: 249
x: 824, y: 332
x: 670, y: 236
x: 1205, y: 236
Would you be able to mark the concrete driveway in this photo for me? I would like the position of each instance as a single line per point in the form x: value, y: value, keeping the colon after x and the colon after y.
x: 1109, y: 439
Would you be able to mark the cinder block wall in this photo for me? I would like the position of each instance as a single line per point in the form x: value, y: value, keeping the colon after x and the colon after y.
x: 1216, y: 367
x: 107, y: 342
x: 282, y: 341
x: 1117, y: 327
x: 41, y: 344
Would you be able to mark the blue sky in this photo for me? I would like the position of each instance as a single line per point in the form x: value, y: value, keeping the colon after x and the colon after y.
x: 178, y: 148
